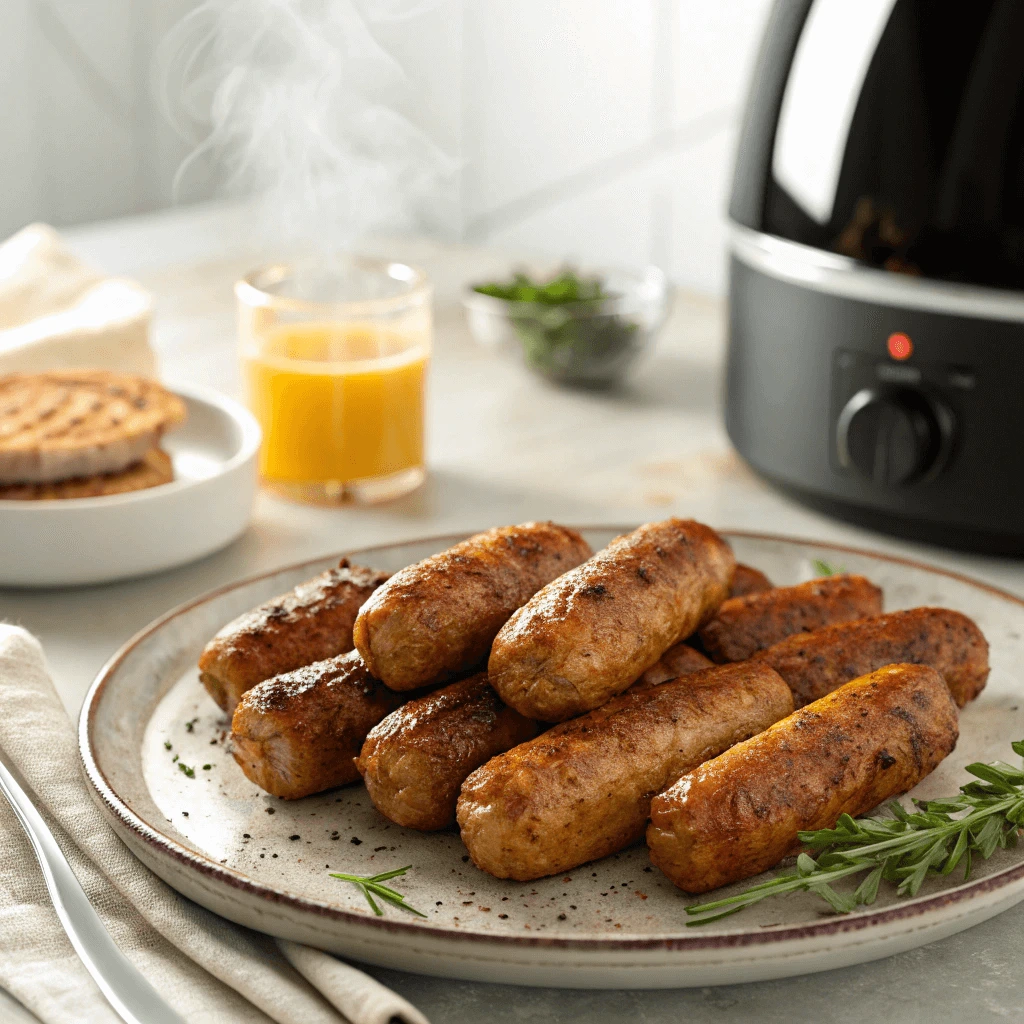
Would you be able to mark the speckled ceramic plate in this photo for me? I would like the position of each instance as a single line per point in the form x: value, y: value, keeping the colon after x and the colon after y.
x: 616, y: 923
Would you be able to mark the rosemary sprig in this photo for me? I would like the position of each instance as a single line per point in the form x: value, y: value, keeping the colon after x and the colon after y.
x: 823, y: 568
x: 903, y: 849
x: 370, y: 886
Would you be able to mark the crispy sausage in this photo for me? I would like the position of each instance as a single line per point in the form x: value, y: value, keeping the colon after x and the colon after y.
x: 748, y: 580
x: 582, y: 790
x: 816, y: 663
x: 739, y: 814
x: 415, y: 760
x: 298, y: 733
x: 592, y: 632
x: 310, y: 623
x: 747, y: 624
x: 437, y: 618
x: 679, y: 660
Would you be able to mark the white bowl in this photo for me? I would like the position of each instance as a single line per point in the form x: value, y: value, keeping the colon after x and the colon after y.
x: 94, y: 540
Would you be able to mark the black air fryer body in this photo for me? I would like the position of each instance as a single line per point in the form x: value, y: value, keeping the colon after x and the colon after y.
x: 876, y: 335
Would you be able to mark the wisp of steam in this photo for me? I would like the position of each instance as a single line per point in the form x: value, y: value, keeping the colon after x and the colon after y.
x: 296, y: 103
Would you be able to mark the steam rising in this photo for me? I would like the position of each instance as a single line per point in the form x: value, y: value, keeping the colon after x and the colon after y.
x: 297, y: 102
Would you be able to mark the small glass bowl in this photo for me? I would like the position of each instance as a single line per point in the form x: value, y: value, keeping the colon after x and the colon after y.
x: 581, y: 344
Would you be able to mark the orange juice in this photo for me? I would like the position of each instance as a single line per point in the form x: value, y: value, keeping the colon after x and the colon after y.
x: 338, y: 402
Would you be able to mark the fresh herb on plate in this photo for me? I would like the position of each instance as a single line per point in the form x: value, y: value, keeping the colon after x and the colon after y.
x: 370, y: 886
x: 823, y: 568
x: 190, y: 772
x: 903, y: 849
x: 566, y: 331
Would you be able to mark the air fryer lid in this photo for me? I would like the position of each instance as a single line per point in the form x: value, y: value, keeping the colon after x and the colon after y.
x: 900, y: 138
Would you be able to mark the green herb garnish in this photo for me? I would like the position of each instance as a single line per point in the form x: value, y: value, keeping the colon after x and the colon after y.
x: 823, y: 568
x: 191, y: 724
x: 904, y: 849
x: 167, y: 744
x: 567, y: 331
x: 190, y: 772
x: 566, y: 287
x: 370, y: 886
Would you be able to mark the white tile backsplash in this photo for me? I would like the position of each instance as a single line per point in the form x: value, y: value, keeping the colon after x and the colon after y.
x: 600, y: 130
x: 610, y: 225
x: 549, y: 90
x: 20, y: 187
x: 714, y: 45
x: 696, y: 183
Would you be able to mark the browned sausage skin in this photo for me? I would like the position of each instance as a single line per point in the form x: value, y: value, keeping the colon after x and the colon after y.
x: 298, y: 733
x: 745, y: 625
x: 739, y: 814
x: 748, y: 580
x: 593, y: 631
x: 815, y: 663
x: 416, y: 759
x: 437, y: 618
x: 678, y: 660
x: 310, y: 623
x: 582, y: 789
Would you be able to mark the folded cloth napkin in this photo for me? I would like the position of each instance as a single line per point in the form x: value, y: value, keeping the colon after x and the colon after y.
x: 207, y: 968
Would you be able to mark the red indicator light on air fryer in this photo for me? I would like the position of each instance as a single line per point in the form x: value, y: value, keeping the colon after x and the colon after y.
x: 900, y: 346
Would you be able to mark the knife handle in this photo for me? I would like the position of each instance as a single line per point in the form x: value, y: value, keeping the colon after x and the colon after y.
x: 125, y: 988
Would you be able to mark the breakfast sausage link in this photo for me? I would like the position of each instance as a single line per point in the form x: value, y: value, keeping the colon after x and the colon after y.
x: 744, y: 625
x: 748, y: 580
x: 437, y: 618
x: 678, y: 660
x: 740, y: 814
x: 310, y: 623
x: 416, y: 759
x: 582, y: 789
x: 816, y: 663
x: 593, y: 631
x: 298, y: 733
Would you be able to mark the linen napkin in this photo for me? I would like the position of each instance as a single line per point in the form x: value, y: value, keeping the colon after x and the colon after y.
x: 209, y: 969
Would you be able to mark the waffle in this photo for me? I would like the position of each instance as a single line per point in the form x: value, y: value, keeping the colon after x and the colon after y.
x: 67, y: 424
x: 154, y: 469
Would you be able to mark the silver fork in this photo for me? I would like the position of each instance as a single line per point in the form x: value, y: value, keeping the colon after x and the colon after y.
x: 132, y: 997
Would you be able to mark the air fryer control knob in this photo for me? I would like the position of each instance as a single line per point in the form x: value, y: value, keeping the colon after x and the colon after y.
x: 892, y: 437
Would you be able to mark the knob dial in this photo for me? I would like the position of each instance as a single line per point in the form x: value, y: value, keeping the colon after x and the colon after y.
x: 891, y: 437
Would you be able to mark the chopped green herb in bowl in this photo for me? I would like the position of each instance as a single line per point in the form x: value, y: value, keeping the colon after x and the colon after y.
x: 573, y: 328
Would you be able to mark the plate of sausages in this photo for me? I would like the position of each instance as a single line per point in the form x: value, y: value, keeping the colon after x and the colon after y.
x: 552, y: 741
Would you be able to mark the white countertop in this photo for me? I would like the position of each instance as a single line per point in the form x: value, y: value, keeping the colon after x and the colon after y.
x: 503, y: 447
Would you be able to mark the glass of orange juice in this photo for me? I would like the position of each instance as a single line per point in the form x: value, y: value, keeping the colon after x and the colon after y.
x: 334, y: 355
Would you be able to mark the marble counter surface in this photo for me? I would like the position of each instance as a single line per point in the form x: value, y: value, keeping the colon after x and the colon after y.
x: 504, y: 447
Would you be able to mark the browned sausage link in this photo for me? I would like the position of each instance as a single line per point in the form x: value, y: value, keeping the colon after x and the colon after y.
x: 739, y: 814
x: 416, y: 759
x: 744, y: 625
x: 310, y: 623
x: 592, y: 632
x: 437, y: 618
x: 298, y: 733
x: 748, y: 580
x: 582, y: 790
x: 816, y: 663
x: 679, y: 660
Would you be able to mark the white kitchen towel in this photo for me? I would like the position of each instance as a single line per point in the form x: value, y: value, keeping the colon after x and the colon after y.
x: 207, y: 968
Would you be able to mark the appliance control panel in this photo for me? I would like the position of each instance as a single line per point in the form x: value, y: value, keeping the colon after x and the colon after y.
x: 894, y: 423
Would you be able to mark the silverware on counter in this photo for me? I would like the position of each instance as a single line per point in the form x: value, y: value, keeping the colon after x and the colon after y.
x: 127, y: 991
